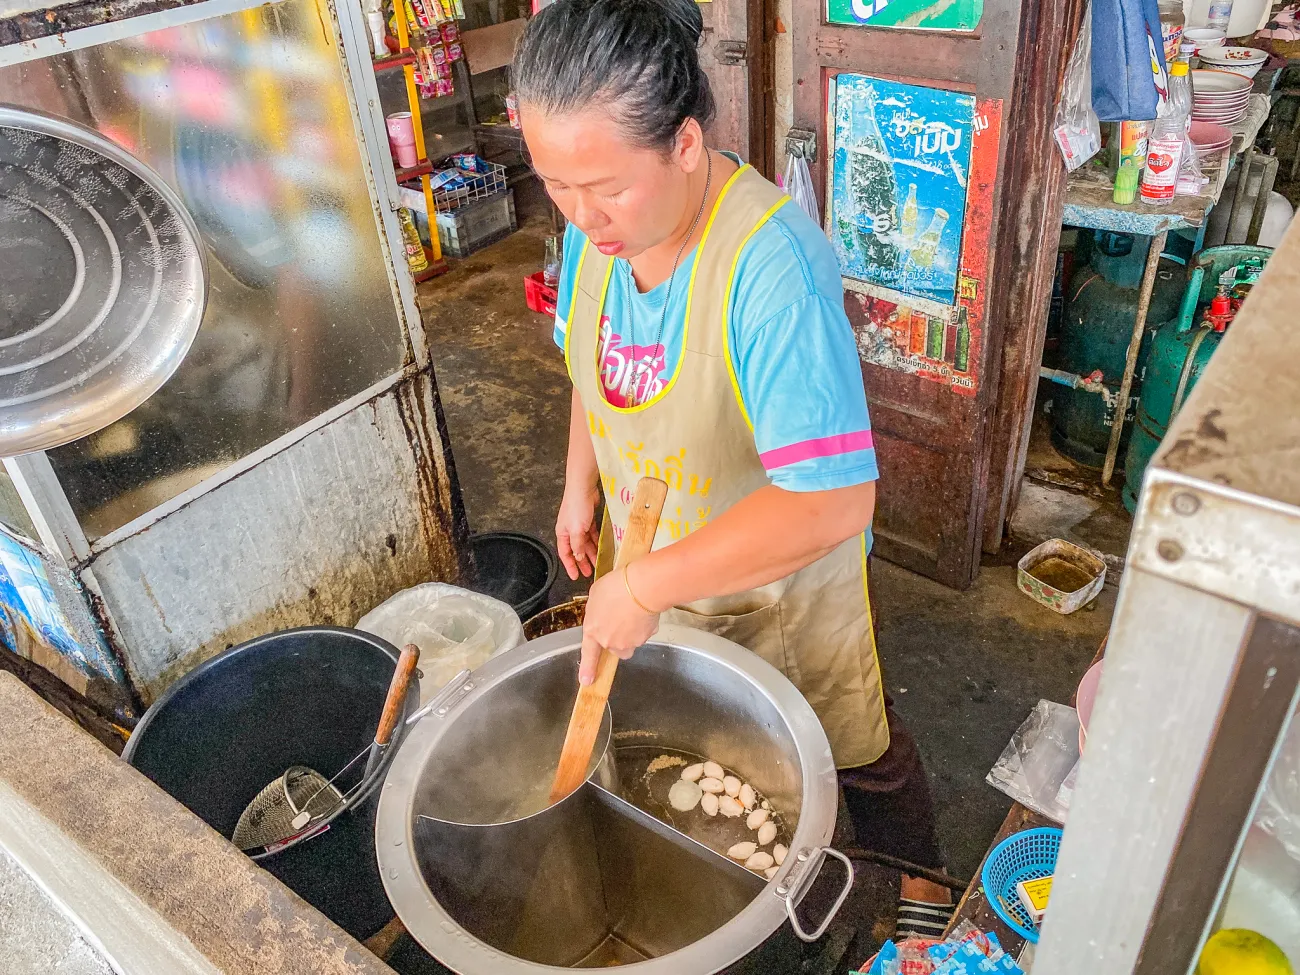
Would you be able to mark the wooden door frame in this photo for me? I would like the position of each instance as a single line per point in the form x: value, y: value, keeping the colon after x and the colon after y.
x: 1027, y: 199
x: 1055, y: 25
x: 762, y: 86
x: 740, y: 36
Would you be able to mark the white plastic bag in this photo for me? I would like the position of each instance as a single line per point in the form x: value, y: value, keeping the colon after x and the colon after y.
x: 798, y: 183
x: 1279, y: 807
x: 454, y: 628
x: 1036, y: 764
x: 1077, y: 131
x: 1190, y: 178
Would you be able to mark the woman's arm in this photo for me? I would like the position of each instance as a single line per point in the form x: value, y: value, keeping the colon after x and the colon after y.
x: 576, y: 532
x: 763, y: 538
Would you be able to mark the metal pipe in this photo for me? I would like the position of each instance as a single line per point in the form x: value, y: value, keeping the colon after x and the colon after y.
x: 1239, y: 194
x: 1130, y: 361
x: 1087, y: 383
x: 907, y: 867
x: 1188, y: 362
x: 1267, y: 176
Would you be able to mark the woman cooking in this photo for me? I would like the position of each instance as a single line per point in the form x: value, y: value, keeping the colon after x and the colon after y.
x: 702, y: 320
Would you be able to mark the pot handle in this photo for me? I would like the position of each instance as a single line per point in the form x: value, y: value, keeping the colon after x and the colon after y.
x: 440, y: 698
x: 793, y: 888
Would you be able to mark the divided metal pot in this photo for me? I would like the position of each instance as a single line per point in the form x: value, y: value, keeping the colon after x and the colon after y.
x: 490, y: 881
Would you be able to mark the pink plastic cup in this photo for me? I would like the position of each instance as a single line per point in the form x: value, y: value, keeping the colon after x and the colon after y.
x: 401, y: 139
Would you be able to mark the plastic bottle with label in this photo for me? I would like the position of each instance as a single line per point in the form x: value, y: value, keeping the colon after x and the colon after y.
x: 1219, y: 15
x: 1172, y: 22
x: 1133, y: 144
x: 1167, y: 140
x: 1180, y: 91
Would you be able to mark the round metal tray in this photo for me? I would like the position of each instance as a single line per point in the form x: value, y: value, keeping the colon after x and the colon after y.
x: 104, y: 281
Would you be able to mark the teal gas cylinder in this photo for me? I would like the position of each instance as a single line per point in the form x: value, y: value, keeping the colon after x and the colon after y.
x: 1180, y: 351
x: 1095, y: 331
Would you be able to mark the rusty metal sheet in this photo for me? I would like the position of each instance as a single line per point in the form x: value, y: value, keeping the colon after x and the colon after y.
x: 318, y: 533
x: 24, y: 21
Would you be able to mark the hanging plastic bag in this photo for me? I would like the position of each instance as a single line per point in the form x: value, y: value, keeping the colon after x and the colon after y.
x: 1129, y: 79
x: 1190, y: 178
x: 1279, y: 807
x: 454, y: 628
x: 1077, y: 131
x: 798, y: 183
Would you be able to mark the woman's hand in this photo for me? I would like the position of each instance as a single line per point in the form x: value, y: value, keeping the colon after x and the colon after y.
x: 576, y: 533
x: 614, y: 621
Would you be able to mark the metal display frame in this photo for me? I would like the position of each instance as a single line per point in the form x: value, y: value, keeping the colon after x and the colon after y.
x: 1202, y: 666
x: 408, y: 393
x: 32, y: 474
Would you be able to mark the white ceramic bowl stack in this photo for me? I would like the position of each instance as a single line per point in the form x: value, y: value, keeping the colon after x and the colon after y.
x: 1203, y: 38
x: 1219, y: 96
x: 1244, y: 61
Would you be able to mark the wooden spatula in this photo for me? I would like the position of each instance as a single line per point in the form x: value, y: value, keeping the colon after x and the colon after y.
x: 584, y: 724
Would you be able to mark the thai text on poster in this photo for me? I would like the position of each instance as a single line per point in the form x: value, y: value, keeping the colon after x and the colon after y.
x: 899, y: 172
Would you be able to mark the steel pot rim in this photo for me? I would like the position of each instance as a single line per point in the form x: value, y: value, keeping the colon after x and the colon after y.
x: 431, y: 925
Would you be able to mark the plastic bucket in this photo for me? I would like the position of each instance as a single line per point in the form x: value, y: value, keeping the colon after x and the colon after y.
x: 515, y: 568
x: 309, y: 696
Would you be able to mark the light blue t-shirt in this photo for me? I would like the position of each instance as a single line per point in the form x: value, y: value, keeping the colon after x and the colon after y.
x: 791, y: 346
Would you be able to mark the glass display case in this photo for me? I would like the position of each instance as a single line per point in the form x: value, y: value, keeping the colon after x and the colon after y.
x: 292, y: 470
x: 246, y: 116
x: 1186, y: 817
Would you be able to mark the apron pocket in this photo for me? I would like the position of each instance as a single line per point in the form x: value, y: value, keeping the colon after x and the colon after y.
x: 758, y: 632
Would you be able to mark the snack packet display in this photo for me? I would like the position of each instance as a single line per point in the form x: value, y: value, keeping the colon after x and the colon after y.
x: 967, y: 951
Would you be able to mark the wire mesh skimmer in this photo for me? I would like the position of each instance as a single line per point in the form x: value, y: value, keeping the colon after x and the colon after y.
x: 300, y: 800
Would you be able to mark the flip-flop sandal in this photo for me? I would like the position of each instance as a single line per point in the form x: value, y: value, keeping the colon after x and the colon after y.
x: 917, y: 919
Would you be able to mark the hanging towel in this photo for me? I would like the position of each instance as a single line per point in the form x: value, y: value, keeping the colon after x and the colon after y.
x: 1128, y: 60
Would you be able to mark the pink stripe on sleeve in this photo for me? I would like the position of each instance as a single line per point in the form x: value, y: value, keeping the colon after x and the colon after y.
x: 840, y: 443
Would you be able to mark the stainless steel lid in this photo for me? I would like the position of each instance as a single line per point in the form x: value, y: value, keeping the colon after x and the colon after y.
x: 103, y: 276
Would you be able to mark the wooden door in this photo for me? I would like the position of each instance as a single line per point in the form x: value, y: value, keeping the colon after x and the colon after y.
x: 736, y: 51
x: 934, y: 406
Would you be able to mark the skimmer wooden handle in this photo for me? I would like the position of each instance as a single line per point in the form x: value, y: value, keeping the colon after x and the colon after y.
x: 584, y: 724
x: 397, y: 693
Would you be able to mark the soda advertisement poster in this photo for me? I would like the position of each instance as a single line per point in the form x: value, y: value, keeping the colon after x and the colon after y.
x: 908, y: 14
x: 938, y: 341
x: 898, y: 184
x: 916, y: 336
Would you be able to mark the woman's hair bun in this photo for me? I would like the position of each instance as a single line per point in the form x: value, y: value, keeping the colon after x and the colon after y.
x: 637, y: 58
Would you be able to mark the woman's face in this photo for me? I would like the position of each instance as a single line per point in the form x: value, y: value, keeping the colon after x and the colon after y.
x: 625, y: 198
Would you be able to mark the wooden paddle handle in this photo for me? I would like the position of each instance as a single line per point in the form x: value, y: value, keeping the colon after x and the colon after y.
x: 589, y: 708
x: 397, y: 693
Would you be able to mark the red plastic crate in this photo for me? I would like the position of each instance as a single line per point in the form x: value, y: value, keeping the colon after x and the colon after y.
x: 538, y: 296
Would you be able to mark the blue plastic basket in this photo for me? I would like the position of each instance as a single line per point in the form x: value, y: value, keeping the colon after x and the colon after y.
x: 1024, y: 856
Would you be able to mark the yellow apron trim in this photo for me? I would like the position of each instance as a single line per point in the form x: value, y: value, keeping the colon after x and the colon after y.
x: 871, y: 633
x: 573, y: 300
x: 686, y: 324
x: 726, y: 307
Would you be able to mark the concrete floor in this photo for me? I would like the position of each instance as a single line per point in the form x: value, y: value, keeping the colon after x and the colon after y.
x: 964, y: 668
x: 504, y: 388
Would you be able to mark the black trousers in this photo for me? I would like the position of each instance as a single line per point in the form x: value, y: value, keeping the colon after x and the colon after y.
x: 889, y: 801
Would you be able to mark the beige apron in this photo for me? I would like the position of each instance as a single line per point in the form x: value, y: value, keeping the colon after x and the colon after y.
x: 815, y: 625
